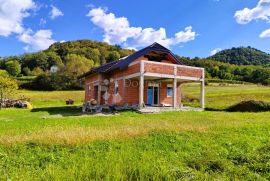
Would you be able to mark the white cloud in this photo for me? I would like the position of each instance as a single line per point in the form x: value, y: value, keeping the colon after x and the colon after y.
x: 117, y: 30
x: 40, y: 40
x: 55, y: 12
x: 265, y: 34
x: 261, y: 11
x: 12, y: 13
x: 213, y: 52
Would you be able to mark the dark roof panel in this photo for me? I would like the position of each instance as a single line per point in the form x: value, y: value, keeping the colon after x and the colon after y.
x: 124, y: 62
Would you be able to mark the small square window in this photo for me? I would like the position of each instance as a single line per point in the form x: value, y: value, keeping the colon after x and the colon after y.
x: 169, y: 91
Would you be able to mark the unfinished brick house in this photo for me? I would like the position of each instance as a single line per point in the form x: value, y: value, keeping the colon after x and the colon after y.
x: 151, y: 77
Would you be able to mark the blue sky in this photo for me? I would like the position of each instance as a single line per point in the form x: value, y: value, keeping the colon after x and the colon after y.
x: 188, y: 27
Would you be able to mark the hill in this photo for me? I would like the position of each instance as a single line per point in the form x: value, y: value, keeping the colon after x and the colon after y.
x: 57, y: 54
x: 99, y: 52
x: 242, y: 56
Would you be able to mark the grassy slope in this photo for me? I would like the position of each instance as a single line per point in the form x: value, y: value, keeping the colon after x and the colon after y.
x: 55, y: 143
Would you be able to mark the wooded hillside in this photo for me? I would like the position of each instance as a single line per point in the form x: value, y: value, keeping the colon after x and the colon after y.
x: 242, y: 56
x: 58, y: 67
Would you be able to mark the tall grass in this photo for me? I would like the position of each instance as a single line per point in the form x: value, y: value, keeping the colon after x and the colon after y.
x: 56, y: 142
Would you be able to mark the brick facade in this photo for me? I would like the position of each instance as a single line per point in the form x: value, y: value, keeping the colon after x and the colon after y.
x: 128, y: 90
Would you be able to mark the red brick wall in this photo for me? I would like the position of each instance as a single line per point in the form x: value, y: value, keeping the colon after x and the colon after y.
x: 132, y: 93
x: 163, y: 94
x: 161, y: 69
x: 90, y: 80
x: 189, y: 72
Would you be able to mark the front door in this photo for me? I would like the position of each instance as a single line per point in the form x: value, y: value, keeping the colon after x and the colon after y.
x: 153, y: 95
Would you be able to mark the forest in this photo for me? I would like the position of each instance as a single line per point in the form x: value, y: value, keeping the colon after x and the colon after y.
x: 58, y: 67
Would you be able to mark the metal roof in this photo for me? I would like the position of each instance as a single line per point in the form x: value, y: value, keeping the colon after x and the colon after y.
x: 124, y: 62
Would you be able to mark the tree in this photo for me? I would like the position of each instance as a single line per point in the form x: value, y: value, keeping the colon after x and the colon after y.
x: 37, y: 71
x: 53, y: 59
x: 77, y: 65
x: 7, y: 86
x: 13, y: 67
x: 113, y: 56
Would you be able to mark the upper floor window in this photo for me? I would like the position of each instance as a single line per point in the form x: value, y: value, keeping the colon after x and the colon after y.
x: 116, y: 87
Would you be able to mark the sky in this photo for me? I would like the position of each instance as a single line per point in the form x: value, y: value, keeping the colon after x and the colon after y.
x: 187, y: 27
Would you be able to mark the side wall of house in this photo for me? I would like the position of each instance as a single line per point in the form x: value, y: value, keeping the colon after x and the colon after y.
x: 92, y: 81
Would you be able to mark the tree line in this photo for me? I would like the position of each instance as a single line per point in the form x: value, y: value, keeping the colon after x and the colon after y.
x: 226, y: 71
x: 58, y: 67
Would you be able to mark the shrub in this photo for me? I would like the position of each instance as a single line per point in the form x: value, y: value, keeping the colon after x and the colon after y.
x: 250, y: 106
x: 13, y: 67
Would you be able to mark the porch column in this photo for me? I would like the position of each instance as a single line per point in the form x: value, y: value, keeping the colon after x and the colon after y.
x: 175, y: 88
x: 174, y: 93
x: 141, y: 85
x: 202, y: 92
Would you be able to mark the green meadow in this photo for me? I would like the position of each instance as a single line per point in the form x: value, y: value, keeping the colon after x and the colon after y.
x: 56, y: 142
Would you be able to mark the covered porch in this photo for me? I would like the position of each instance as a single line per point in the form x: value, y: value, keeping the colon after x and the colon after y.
x: 159, y: 85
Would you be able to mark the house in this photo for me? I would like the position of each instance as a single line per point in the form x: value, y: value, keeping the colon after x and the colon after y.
x: 149, y: 77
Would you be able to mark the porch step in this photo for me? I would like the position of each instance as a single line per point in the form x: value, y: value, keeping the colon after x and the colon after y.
x: 149, y: 110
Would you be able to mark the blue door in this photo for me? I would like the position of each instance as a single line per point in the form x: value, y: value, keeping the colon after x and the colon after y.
x: 150, y: 96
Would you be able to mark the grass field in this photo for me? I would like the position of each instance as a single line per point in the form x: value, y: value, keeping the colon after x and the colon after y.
x: 56, y: 142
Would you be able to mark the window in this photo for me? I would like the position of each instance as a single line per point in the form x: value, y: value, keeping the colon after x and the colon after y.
x: 89, y: 90
x: 169, y: 91
x: 116, y: 88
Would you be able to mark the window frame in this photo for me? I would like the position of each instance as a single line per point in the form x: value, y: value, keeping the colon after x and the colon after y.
x: 116, y: 87
x: 169, y: 87
x: 89, y: 89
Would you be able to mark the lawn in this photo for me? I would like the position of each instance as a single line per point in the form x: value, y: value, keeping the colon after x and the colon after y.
x: 56, y: 142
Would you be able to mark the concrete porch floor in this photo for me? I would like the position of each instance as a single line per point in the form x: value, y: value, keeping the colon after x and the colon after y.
x: 151, y: 109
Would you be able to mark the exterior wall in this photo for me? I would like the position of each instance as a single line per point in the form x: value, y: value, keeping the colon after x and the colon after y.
x: 92, y: 81
x: 129, y: 95
x: 164, y: 99
x: 157, y: 68
x: 129, y: 91
x: 189, y: 72
x: 168, y: 69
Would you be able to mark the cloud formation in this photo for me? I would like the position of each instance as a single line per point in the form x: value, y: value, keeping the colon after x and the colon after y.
x: 40, y: 40
x: 213, y: 52
x: 265, y: 34
x: 12, y: 13
x: 261, y: 11
x: 117, y: 30
x: 55, y: 12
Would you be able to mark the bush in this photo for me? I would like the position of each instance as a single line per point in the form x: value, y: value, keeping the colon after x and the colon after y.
x: 250, y: 106
x: 13, y: 67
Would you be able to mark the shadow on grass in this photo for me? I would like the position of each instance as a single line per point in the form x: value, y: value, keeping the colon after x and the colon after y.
x: 64, y: 110
x: 215, y: 110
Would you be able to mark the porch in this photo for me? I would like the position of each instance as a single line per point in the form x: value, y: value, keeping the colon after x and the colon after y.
x: 152, y: 76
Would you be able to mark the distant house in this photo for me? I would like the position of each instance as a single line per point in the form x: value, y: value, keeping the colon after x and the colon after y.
x: 149, y: 77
